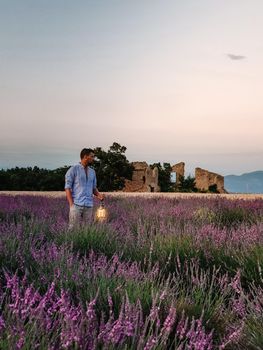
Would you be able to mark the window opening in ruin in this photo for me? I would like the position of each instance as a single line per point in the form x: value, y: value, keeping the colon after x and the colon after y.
x: 173, y: 177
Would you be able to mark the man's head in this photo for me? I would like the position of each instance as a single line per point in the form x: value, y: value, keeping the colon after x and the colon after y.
x: 87, y: 156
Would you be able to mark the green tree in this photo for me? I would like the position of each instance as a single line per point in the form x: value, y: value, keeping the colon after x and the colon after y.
x: 33, y: 179
x: 164, y: 176
x: 186, y: 184
x: 112, y: 167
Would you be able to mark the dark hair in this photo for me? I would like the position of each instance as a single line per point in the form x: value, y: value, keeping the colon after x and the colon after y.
x: 86, y: 152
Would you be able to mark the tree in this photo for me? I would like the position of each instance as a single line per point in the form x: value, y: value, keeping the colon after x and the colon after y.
x: 164, y: 176
x: 112, y: 167
x: 186, y: 184
x: 33, y: 179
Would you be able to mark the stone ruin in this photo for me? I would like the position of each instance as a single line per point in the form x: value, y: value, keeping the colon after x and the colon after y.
x: 144, y: 179
x: 178, y: 169
x: 204, y: 179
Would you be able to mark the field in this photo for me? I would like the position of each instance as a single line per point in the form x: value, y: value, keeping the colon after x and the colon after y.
x: 164, y: 272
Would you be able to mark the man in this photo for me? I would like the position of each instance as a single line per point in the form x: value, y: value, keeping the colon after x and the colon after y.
x: 80, y: 186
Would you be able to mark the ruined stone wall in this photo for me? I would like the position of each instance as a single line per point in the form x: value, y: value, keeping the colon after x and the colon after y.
x: 151, y: 180
x: 144, y: 179
x: 205, y: 178
x: 179, y: 170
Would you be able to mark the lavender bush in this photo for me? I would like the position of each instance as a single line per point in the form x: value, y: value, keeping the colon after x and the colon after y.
x: 162, y: 273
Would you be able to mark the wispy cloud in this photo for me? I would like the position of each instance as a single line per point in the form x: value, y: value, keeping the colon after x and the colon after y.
x: 235, y: 57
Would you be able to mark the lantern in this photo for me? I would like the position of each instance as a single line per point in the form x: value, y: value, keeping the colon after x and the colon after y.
x: 101, y: 213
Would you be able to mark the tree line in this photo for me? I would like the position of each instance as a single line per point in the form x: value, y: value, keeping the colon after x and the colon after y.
x: 112, y: 168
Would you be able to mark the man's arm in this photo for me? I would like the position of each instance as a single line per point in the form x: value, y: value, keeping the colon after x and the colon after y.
x: 69, y: 178
x: 95, y: 189
x: 69, y: 196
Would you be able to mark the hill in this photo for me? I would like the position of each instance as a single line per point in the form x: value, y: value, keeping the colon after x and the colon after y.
x: 245, y: 183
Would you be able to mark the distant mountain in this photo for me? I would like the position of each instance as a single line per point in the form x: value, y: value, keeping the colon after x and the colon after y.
x: 245, y: 183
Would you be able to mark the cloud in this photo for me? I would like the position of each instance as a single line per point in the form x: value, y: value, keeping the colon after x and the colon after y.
x: 235, y: 57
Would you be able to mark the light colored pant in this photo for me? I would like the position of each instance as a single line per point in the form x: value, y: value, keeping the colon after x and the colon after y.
x: 80, y: 215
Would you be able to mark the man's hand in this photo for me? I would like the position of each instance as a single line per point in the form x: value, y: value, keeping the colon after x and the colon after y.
x: 100, y: 196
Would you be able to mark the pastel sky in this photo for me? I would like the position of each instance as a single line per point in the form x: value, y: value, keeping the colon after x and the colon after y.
x: 171, y: 80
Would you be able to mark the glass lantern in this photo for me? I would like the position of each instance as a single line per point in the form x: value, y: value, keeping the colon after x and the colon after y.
x: 101, y: 213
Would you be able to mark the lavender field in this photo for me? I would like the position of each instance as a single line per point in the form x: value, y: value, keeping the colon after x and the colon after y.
x: 161, y: 273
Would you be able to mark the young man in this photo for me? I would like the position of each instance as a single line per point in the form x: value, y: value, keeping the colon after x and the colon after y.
x: 80, y: 186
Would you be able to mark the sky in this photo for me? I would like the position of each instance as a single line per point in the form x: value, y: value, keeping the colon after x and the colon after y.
x: 170, y: 80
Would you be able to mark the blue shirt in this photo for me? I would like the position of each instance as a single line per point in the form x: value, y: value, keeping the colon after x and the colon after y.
x: 81, y: 185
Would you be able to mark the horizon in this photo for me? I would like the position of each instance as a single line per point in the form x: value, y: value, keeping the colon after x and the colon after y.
x: 187, y: 172
x: 172, y: 82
